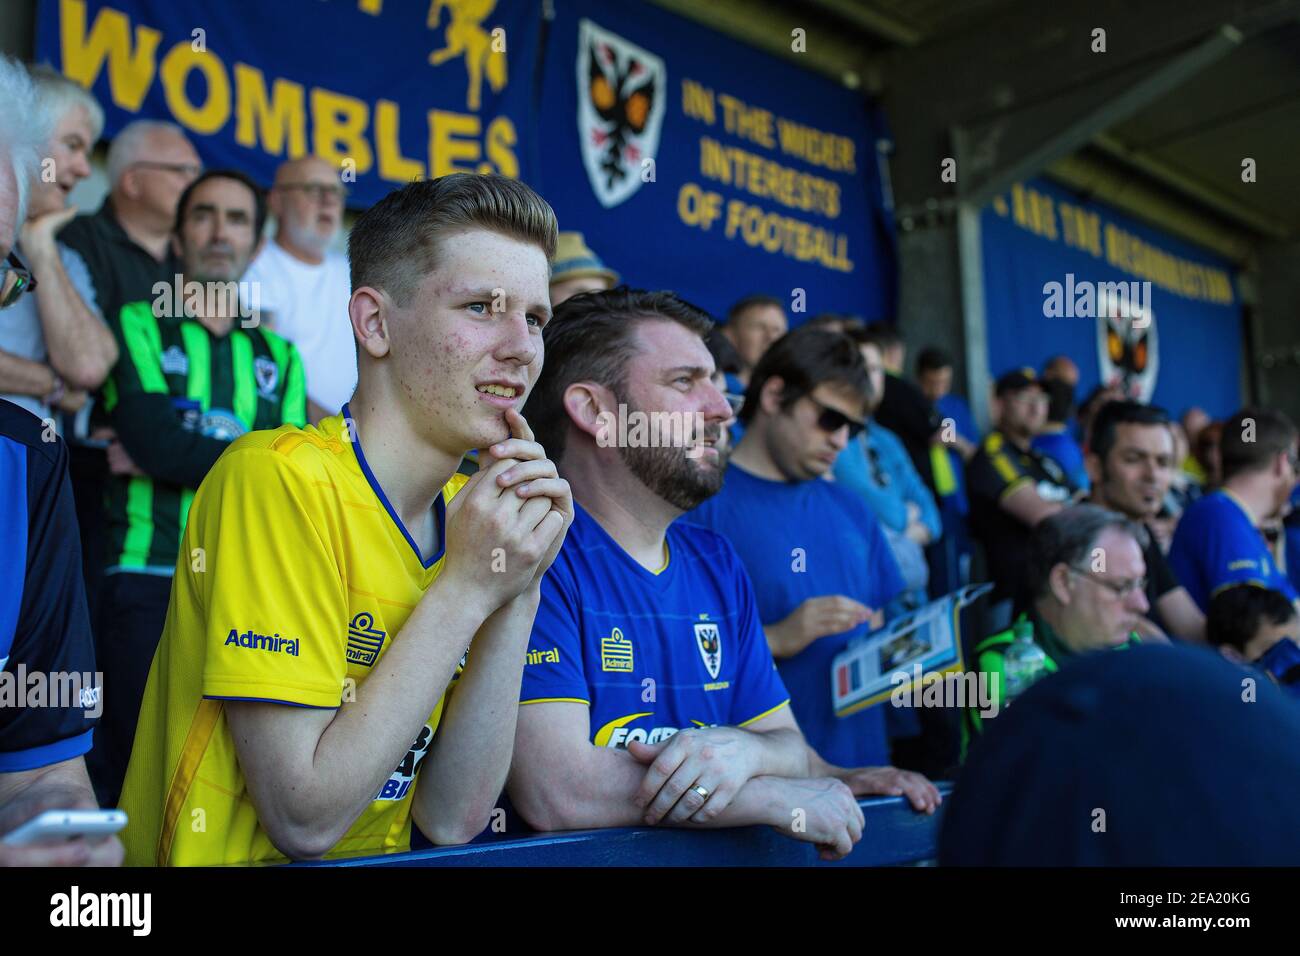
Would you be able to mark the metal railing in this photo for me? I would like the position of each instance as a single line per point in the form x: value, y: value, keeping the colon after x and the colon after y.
x: 894, y: 834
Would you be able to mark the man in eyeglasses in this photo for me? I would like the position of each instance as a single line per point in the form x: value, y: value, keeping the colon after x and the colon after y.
x: 1011, y: 486
x: 304, y: 285
x: 1086, y: 584
x: 126, y: 246
x: 822, y: 568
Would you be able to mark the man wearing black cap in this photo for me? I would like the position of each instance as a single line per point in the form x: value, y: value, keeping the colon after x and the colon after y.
x: 1011, y: 486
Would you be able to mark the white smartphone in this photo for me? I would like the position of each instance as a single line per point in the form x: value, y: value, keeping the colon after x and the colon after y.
x: 55, y: 825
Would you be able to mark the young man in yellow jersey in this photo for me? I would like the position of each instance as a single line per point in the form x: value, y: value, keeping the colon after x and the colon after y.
x: 329, y: 586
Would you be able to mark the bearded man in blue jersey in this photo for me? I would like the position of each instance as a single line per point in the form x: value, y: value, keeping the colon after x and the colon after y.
x: 649, y: 693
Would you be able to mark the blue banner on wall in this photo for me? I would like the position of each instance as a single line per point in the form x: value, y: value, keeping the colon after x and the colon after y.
x: 390, y: 91
x: 1130, y: 305
x: 693, y: 162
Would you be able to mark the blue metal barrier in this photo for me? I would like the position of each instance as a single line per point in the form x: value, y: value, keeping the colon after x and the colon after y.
x: 894, y: 834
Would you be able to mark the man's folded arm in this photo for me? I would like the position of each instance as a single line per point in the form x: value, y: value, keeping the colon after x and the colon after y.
x: 149, y: 430
x: 559, y: 780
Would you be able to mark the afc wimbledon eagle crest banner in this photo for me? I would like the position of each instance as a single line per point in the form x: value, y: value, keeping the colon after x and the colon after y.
x: 389, y: 90
x: 692, y: 162
x: 621, y: 99
x: 1069, y: 275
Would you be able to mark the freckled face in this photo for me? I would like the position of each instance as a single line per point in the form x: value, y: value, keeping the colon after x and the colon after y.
x: 469, y: 343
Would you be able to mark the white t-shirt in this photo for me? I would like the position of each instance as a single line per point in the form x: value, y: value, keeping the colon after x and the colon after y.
x: 308, y: 305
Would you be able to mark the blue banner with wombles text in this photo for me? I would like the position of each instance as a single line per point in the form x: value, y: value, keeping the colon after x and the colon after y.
x: 388, y: 90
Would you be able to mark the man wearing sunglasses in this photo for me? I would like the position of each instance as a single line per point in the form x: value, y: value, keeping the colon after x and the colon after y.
x: 304, y: 285
x: 822, y: 569
x: 1012, y: 487
x: 1086, y: 583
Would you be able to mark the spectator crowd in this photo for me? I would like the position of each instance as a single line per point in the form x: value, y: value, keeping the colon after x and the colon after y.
x: 348, y: 540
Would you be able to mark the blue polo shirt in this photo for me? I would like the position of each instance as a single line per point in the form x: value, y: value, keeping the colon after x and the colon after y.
x: 801, y: 540
x: 1216, y: 544
x: 46, y: 714
x: 650, y: 653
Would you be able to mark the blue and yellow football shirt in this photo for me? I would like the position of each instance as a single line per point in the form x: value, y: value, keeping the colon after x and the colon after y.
x: 295, y: 577
x: 651, y: 653
x: 1216, y: 544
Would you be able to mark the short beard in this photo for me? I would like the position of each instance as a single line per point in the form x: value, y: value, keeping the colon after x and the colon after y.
x: 308, y: 239
x: 669, y: 473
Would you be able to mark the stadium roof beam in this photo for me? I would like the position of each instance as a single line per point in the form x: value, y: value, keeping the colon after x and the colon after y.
x: 1029, y: 89
x: 1202, y: 193
x: 1014, y: 146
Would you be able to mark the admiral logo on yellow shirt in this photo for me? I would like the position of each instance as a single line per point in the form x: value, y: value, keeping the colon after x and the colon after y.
x: 273, y: 643
x: 364, y: 640
x: 616, y: 653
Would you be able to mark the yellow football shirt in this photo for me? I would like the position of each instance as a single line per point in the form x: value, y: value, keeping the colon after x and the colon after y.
x: 294, y: 578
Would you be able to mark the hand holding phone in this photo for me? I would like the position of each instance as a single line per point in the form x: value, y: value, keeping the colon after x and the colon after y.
x: 57, y: 825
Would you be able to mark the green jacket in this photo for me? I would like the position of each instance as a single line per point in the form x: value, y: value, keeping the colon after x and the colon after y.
x: 989, y: 661
x: 177, y: 397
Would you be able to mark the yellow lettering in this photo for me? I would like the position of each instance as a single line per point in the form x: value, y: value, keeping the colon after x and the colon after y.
x: 339, y: 129
x: 501, y: 138
x: 392, y: 164
x: 444, y: 150
x: 697, y: 102
x: 748, y: 122
x: 267, y: 121
x: 129, y: 72
x: 696, y: 207
x: 175, y: 69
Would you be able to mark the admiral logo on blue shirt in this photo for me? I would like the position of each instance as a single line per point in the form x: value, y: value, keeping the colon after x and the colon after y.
x: 364, y: 640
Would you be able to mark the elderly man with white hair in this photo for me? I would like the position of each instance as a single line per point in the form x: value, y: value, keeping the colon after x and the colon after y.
x: 44, y: 626
x: 54, y: 346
